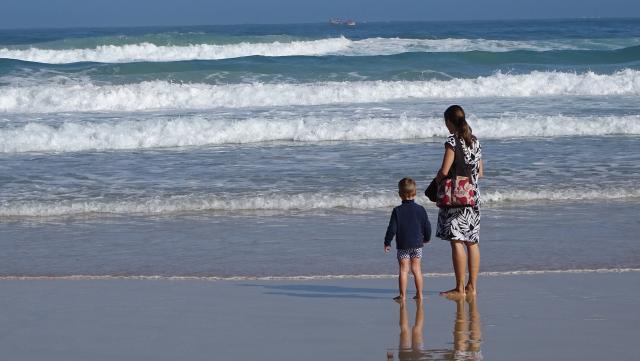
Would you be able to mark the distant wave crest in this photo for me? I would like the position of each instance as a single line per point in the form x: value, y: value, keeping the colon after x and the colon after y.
x: 151, y: 52
x: 147, y: 51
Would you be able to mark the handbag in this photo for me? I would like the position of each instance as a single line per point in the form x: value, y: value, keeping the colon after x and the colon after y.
x: 457, y: 190
x: 432, y: 191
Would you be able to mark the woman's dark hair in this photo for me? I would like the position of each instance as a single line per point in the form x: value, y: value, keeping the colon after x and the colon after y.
x: 455, y: 115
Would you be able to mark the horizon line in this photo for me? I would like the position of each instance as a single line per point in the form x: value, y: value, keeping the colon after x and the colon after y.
x: 551, y: 19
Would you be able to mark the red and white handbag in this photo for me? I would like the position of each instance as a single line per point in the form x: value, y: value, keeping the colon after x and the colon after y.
x: 457, y: 190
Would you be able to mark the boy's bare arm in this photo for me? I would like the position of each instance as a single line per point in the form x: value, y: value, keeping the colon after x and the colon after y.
x: 391, y: 231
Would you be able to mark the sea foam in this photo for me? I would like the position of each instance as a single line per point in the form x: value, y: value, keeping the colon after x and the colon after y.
x: 203, y: 130
x: 284, y: 202
x: 152, y: 95
x: 146, y: 51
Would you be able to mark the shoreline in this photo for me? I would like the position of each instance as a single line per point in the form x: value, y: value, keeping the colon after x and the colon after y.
x: 308, y: 277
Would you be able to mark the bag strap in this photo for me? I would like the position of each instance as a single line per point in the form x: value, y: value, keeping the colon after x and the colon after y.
x: 459, y: 166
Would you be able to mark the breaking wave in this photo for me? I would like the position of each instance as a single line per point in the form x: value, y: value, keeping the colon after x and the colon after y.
x: 200, y: 130
x: 153, y: 95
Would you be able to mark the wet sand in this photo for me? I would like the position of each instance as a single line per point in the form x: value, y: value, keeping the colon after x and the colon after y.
x: 588, y: 316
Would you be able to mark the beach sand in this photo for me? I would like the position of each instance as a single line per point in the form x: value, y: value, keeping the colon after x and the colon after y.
x: 566, y: 316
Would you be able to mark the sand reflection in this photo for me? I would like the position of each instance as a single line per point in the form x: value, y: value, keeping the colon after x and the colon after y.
x: 467, y: 335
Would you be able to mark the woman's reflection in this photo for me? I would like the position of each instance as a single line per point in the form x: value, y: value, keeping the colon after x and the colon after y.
x: 467, y: 335
x: 467, y: 331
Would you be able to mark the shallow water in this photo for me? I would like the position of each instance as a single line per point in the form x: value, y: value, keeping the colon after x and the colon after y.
x: 244, y: 150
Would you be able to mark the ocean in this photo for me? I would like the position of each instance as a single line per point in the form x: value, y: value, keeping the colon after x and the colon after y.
x: 261, y: 151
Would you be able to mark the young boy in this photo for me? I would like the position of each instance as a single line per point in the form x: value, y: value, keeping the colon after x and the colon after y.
x: 410, y: 225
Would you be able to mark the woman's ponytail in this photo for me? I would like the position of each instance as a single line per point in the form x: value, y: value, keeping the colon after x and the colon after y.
x: 455, y: 115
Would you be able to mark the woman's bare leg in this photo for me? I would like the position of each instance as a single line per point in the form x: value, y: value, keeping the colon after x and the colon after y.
x: 459, y: 258
x: 473, y: 256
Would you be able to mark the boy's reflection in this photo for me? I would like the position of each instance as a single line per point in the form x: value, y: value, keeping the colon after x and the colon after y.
x: 411, y: 339
x: 467, y: 335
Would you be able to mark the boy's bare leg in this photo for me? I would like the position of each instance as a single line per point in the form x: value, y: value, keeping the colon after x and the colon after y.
x: 473, y: 255
x: 417, y: 277
x: 402, y: 279
x: 459, y: 258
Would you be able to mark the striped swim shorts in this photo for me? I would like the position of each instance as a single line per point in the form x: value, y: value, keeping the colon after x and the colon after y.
x: 410, y: 253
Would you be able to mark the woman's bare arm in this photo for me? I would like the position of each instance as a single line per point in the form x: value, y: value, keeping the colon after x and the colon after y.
x: 480, y: 169
x: 447, y: 162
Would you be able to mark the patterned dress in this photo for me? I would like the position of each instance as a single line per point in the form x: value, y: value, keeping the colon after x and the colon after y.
x: 463, y: 224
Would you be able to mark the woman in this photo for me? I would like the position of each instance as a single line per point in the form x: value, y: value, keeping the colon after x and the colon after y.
x: 461, y: 226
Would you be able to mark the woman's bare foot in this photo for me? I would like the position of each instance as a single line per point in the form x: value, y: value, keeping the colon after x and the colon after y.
x: 453, y: 293
x: 470, y: 290
x: 418, y: 297
x: 399, y: 299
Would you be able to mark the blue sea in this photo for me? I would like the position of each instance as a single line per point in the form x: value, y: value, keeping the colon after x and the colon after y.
x: 275, y: 150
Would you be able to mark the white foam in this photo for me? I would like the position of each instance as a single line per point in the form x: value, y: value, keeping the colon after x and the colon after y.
x: 305, y: 277
x: 146, y: 51
x: 165, y: 95
x: 197, y: 203
x: 284, y: 202
x: 390, y: 46
x: 573, y: 194
x: 201, y: 130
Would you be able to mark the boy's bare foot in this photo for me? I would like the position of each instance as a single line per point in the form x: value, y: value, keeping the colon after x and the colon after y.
x: 453, y: 293
x: 418, y: 297
x: 399, y: 299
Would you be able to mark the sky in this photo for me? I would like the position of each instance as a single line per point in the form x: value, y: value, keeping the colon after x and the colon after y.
x: 100, y: 13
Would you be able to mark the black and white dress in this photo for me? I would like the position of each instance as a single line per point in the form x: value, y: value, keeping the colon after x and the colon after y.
x: 463, y: 224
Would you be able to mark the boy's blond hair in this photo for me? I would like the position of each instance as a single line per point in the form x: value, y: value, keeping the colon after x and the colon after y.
x: 407, y: 188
